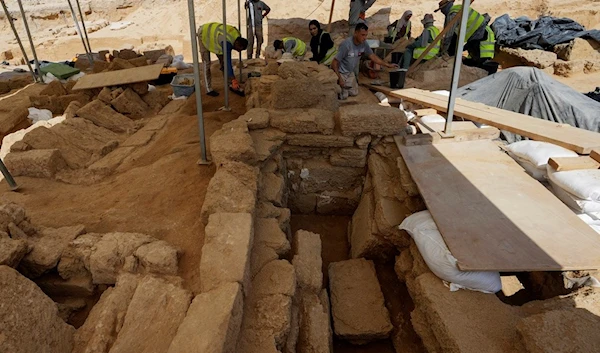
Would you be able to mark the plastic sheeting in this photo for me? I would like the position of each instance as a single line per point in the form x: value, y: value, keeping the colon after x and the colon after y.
x: 530, y: 91
x: 543, y: 33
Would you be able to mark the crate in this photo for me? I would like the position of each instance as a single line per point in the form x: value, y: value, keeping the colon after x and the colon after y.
x: 182, y: 90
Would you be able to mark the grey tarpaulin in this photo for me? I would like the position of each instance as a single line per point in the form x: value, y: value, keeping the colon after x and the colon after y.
x: 543, y: 33
x: 530, y: 91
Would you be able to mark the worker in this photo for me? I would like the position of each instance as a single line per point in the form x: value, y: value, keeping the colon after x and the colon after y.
x: 414, y: 50
x: 476, y: 24
x: 357, y: 13
x: 485, y: 51
x: 210, y: 40
x: 257, y: 10
x: 321, y: 44
x: 348, y: 58
x: 400, y: 28
x: 291, y: 45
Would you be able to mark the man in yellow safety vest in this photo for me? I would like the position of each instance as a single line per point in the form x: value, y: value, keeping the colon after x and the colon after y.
x: 291, y: 45
x: 417, y: 48
x: 476, y: 24
x: 210, y: 40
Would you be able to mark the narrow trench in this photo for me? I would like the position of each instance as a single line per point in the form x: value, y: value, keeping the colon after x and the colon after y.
x: 335, y: 247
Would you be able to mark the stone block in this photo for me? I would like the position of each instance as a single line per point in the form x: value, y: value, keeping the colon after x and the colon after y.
x: 196, y: 334
x: 315, y: 329
x: 103, y: 116
x: 569, y: 68
x: 140, y: 88
x: 509, y: 57
x: 100, y: 65
x: 152, y: 330
x: 233, y: 143
x: 153, y: 55
x: 359, y: 119
x: 490, y: 325
x: 75, y: 258
x: 54, y: 88
x: 111, y: 161
x: 232, y: 189
x: 137, y: 62
x: 226, y: 251
x: 130, y: 104
x: 364, y: 241
x: 357, y: 303
x: 262, y: 254
x: 105, y: 320
x: 105, y: 95
x: 349, y: 157
x: 273, y: 189
x: 315, y: 140
x: 303, y: 121
x: 266, y: 142
x: 268, y: 210
x: 319, y: 176
x: 307, y: 261
x: 302, y: 93
x: 158, y: 257
x: 156, y: 100
x: 29, y: 319
x: 293, y: 69
x: 302, y: 203
x: 276, y: 277
x: 579, y: 49
x: 272, y: 314
x: 267, y: 232
x: 256, y: 341
x: 127, y: 54
x: 57, y: 104
x: 140, y: 138
x: 388, y: 215
x: 257, y: 118
x: 72, y: 109
x: 172, y: 107
x: 12, y: 251
x: 385, y: 177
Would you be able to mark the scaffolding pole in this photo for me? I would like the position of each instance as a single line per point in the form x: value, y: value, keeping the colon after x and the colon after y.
x: 88, y: 53
x: 35, y: 58
x: 225, y: 58
x: 14, y: 29
x: 89, y: 47
x: 9, y: 178
x: 460, y: 46
x: 240, y: 28
x: 198, y: 93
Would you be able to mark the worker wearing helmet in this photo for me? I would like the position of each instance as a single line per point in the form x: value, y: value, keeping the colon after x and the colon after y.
x: 418, y: 47
x: 476, y: 24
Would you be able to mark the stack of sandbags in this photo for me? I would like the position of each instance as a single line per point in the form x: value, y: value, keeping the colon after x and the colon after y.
x: 533, y: 156
x: 578, y: 189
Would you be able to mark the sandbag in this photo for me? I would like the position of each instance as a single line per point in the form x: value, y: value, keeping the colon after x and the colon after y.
x: 583, y: 184
x: 533, y: 156
x: 576, y: 204
x: 440, y: 261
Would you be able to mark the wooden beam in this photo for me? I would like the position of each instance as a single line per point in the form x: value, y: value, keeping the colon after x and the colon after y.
x: 434, y: 138
x: 439, y: 126
x: 595, y: 154
x: 119, y: 77
x: 426, y: 111
x: 563, y: 164
x: 330, y: 16
x: 435, y: 41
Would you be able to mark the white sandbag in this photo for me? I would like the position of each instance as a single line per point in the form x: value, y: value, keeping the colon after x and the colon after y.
x: 575, y: 203
x: 537, y: 152
x: 36, y: 115
x: 530, y: 168
x: 179, y: 64
x: 433, y: 118
x: 432, y: 247
x: 591, y: 220
x: 115, y: 26
x: 583, y: 184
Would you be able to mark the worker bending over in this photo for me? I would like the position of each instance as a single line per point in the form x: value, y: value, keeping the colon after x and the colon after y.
x: 321, y: 44
x: 414, y: 50
x: 348, y: 58
x: 357, y: 13
x: 400, y: 28
x: 480, y: 55
x: 257, y: 10
x: 210, y: 40
x: 291, y: 45
x: 476, y: 24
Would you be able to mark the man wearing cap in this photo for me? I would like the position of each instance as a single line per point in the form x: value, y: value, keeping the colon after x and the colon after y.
x: 417, y: 48
x: 357, y: 13
x: 291, y: 45
x: 348, y: 58
x: 257, y: 10
x: 476, y: 24
x: 210, y: 40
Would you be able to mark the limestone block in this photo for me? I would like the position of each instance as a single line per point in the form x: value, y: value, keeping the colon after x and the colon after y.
x: 363, y: 141
x: 319, y: 176
x: 54, y: 88
x: 232, y: 189
x: 266, y: 142
x: 579, y: 49
x: 389, y: 213
x: 268, y: 233
x: 72, y: 109
x: 226, y: 251
x: 315, y: 329
x: 272, y: 189
x: 103, y: 116
x: 156, y: 99
x: 130, y: 104
x: 257, y: 118
x: 293, y: 69
x: 272, y: 313
x: 357, y: 303
x: 569, y: 68
x: 276, y: 277
x: 509, y: 57
x: 386, y: 179
x: 349, y: 157
x: 303, y: 121
x: 315, y: 140
x: 268, y: 210
x: 371, y: 119
x: 140, y: 138
x: 302, y: 93
x: 105, y: 95
x: 158, y: 257
x: 75, y: 259
x: 307, y: 261
x: 57, y: 104
x: 233, y: 143
x: 137, y: 62
x: 29, y: 319
x: 256, y: 341
x: 196, y: 334
x: 262, y: 254
x: 12, y: 251
x: 152, y: 330
x: 43, y: 163
x: 364, y: 241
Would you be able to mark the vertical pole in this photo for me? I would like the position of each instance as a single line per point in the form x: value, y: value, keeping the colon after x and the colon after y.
x: 89, y: 55
x: 330, y: 16
x: 89, y: 47
x: 194, y: 38
x: 12, y: 25
x: 37, y: 63
x: 457, y: 64
x: 9, y: 178
x: 240, y: 28
x: 225, y: 57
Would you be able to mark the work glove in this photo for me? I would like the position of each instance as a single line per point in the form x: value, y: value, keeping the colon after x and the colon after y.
x: 235, y: 84
x: 362, y: 16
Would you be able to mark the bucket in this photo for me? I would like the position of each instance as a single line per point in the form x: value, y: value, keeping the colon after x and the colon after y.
x: 183, y: 85
x: 397, y: 78
x: 397, y: 57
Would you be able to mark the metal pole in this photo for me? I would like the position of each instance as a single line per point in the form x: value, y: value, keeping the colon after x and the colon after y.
x: 12, y: 25
x: 89, y: 47
x: 35, y: 58
x: 193, y: 37
x: 457, y: 64
x: 89, y: 55
x: 225, y: 58
x: 240, y: 28
x: 9, y: 179
x: 330, y: 16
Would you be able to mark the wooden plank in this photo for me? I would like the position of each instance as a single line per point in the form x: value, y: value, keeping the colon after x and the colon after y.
x: 427, y: 111
x: 489, y: 133
x: 595, y: 155
x: 495, y: 217
x: 119, y: 77
x: 440, y: 126
x: 563, y: 164
x: 578, y: 140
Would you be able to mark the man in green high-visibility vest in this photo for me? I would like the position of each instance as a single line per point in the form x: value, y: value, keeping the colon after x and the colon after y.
x: 291, y: 45
x: 414, y: 50
x: 476, y: 24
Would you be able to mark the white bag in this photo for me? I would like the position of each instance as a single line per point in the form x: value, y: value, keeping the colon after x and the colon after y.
x: 432, y: 247
x: 533, y: 156
x: 36, y: 115
x: 583, y: 183
x: 575, y: 203
x: 179, y: 64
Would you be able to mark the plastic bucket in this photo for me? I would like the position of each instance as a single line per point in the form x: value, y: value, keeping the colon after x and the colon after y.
x: 397, y: 78
x: 396, y: 57
x: 183, y: 90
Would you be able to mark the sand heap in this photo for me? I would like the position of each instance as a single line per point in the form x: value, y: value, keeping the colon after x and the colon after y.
x: 436, y: 74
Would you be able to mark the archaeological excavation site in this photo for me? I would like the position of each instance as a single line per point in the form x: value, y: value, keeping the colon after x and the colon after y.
x: 147, y: 207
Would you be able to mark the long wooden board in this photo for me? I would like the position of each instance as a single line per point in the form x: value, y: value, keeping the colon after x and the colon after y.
x: 495, y: 217
x: 563, y: 164
x: 119, y: 77
x: 578, y: 140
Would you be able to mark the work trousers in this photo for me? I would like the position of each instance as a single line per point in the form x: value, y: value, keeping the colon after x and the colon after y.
x: 350, y: 88
x: 205, y: 56
x: 252, y: 32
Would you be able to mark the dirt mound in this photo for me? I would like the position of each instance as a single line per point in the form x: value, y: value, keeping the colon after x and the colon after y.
x: 436, y: 74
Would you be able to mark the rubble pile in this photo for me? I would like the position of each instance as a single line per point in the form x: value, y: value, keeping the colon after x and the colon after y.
x: 436, y: 74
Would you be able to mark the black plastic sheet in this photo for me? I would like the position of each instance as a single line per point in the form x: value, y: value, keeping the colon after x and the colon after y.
x: 543, y: 33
